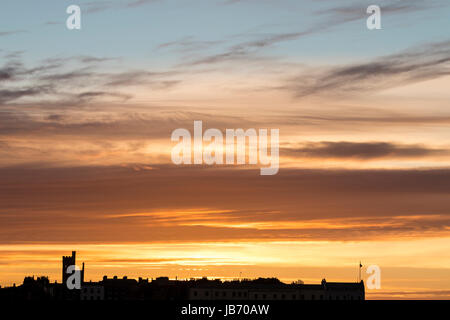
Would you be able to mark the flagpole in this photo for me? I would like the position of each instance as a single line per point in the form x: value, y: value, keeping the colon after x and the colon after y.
x: 360, y: 266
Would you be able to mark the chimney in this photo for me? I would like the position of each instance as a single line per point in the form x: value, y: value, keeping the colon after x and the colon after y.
x: 82, y: 274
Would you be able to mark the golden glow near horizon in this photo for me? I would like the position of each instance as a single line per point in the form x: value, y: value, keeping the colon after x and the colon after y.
x: 409, y: 265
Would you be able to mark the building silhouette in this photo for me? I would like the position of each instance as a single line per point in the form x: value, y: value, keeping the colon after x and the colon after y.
x: 68, y: 261
x: 162, y: 288
x: 274, y: 289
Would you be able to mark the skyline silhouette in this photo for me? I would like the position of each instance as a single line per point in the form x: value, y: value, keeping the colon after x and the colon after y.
x: 73, y: 287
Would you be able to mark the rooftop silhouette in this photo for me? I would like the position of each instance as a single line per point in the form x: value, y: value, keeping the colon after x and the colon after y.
x: 163, y: 288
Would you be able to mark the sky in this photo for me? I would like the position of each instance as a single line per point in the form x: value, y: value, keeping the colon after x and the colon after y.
x: 86, y: 118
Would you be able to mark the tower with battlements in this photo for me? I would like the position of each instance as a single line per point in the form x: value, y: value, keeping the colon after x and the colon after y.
x: 68, y: 261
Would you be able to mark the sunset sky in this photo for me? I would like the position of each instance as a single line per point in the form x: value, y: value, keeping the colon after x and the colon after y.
x: 86, y: 118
